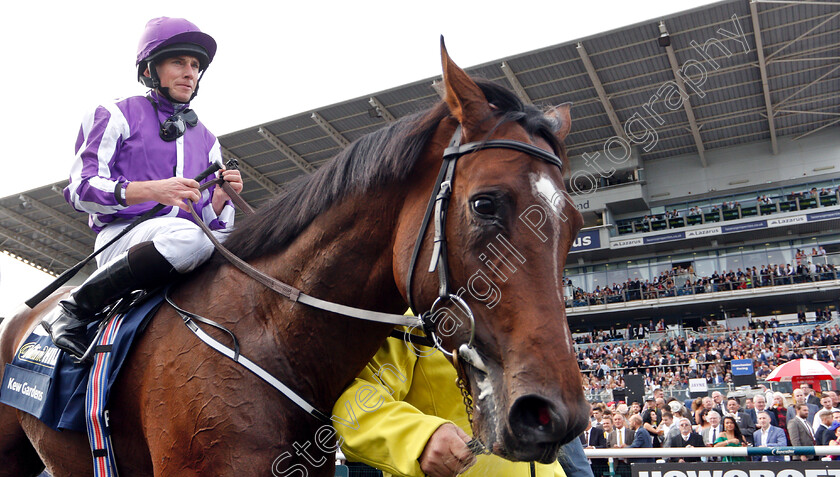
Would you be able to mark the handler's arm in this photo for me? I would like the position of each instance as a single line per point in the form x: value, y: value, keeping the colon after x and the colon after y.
x: 376, y: 426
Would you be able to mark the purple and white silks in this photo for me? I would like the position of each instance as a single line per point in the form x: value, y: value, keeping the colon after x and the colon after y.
x: 119, y: 142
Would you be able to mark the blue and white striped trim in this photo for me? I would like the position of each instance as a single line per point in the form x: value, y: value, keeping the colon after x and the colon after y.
x: 98, y: 428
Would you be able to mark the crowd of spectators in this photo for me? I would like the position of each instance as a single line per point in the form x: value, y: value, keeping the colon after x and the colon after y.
x: 642, y: 330
x: 631, y: 332
x: 668, y: 363
x: 762, y: 419
x: 679, y: 281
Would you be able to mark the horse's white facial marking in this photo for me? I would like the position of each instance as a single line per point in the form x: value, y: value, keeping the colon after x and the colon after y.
x: 547, y: 193
x: 553, y: 200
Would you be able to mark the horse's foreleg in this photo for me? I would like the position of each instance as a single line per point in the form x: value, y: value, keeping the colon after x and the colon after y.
x: 65, y: 453
x: 17, y: 454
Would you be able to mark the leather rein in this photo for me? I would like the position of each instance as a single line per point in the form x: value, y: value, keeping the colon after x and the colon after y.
x: 438, y: 203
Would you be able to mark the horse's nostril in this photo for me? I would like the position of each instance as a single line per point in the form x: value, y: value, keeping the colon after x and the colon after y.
x: 544, y: 416
x: 532, y: 415
x: 537, y: 427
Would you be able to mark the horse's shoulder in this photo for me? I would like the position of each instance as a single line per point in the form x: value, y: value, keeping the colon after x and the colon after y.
x: 16, y: 328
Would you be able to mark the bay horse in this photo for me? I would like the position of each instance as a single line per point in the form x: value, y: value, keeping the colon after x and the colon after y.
x: 346, y: 234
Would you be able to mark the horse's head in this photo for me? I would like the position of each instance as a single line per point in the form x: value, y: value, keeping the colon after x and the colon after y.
x: 509, y: 225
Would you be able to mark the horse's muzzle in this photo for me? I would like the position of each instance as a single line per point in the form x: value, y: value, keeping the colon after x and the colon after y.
x: 539, y: 427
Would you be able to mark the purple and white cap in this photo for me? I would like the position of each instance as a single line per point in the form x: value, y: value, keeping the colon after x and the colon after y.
x: 165, y: 37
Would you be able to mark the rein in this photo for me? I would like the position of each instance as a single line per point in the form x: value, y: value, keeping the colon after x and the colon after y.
x: 291, y: 292
x: 279, y: 287
x: 438, y: 203
x: 72, y: 271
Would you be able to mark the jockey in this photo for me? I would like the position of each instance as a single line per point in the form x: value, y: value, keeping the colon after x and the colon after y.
x: 133, y: 154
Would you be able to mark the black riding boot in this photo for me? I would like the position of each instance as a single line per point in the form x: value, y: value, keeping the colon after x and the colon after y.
x: 136, y: 269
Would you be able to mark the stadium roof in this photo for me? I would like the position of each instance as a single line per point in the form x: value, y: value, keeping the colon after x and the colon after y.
x: 609, y: 77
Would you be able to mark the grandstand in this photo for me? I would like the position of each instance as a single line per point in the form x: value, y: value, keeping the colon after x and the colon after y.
x: 725, y: 205
x: 704, y: 159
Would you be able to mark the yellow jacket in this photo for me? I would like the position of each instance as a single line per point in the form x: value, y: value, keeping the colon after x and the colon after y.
x: 386, y: 422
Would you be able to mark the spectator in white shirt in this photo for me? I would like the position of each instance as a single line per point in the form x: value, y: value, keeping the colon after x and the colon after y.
x: 769, y: 436
x: 714, y: 430
x: 827, y: 405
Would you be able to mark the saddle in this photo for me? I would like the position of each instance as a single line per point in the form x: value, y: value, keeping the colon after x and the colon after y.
x: 51, y: 385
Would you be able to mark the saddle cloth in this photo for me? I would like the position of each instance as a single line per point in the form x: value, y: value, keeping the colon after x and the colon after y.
x: 45, y: 382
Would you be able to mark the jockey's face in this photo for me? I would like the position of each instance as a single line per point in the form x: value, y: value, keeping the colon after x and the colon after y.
x: 180, y: 75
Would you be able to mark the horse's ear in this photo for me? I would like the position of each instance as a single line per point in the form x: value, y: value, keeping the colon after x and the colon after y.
x: 562, y: 118
x: 465, y: 99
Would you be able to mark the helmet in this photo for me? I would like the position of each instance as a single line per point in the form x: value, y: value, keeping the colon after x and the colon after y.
x: 166, y: 37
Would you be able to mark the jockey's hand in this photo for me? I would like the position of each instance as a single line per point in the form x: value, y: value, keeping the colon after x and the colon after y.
x: 173, y: 191
x: 234, y: 178
x: 446, y: 454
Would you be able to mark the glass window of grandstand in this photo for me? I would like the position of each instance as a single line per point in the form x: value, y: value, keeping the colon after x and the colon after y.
x: 733, y: 261
x: 661, y: 264
x: 639, y: 271
x: 592, y: 219
x: 706, y: 267
x: 597, y: 279
x: 777, y: 256
x: 755, y: 259
x: 725, y: 208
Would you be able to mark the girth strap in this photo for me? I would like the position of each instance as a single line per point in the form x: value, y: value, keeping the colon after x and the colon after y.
x: 97, y: 422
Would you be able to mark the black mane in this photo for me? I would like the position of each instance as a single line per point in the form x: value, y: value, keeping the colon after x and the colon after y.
x: 384, y: 156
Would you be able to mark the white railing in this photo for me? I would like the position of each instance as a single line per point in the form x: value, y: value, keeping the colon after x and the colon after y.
x: 664, y: 452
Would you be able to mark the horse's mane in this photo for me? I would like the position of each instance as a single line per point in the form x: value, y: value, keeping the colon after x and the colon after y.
x: 381, y: 157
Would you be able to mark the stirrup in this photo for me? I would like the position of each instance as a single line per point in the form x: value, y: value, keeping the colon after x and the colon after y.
x: 87, y: 358
x: 108, y: 313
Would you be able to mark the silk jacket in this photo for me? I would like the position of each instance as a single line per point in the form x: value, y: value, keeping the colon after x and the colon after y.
x: 120, y: 142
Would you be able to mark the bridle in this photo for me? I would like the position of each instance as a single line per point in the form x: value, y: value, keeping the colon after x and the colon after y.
x: 438, y: 203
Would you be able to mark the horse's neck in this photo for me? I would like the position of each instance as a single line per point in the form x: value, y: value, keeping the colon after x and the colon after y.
x: 344, y: 256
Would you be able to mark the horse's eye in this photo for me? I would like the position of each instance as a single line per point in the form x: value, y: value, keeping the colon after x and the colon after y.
x: 484, y: 206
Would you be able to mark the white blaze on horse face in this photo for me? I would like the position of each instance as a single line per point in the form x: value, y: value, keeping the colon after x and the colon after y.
x: 547, y: 192
x: 546, y: 216
x: 551, y: 199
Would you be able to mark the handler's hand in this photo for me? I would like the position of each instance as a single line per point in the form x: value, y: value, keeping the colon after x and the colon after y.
x: 446, y: 454
x: 172, y: 191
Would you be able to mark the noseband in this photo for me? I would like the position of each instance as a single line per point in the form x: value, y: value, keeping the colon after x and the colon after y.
x: 439, y: 202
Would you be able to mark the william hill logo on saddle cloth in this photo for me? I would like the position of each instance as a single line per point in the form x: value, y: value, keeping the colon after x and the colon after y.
x: 38, y: 354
